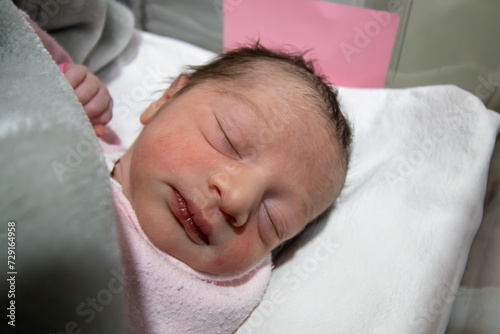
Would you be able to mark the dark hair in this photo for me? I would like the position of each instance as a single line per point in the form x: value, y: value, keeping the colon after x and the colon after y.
x: 237, y: 63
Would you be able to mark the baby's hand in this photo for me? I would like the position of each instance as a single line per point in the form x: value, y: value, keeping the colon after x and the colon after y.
x: 92, y: 94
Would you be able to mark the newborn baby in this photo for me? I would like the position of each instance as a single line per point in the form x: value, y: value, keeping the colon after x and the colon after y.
x: 235, y: 158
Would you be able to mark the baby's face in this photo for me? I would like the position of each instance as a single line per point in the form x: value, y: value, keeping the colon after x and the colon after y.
x: 218, y: 180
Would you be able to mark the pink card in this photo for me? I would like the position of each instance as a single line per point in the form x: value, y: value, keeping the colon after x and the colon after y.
x: 352, y: 45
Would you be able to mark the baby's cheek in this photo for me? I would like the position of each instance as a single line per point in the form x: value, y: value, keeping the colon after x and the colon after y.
x: 240, y: 255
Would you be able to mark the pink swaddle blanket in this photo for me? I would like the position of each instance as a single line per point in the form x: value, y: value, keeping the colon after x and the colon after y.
x: 165, y: 295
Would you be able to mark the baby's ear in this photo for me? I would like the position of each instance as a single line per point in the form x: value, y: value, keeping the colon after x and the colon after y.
x: 153, y: 108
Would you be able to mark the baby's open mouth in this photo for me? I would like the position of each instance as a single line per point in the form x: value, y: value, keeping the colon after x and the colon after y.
x: 186, y: 218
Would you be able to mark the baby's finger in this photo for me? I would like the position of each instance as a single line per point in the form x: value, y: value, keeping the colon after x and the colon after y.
x: 103, y: 118
x: 88, y: 89
x: 75, y: 74
x: 99, y: 109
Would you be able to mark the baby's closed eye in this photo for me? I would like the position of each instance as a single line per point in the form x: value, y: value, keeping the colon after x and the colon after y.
x: 269, y: 227
x: 228, y: 143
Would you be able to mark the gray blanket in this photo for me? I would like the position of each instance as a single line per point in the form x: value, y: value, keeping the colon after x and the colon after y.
x: 61, y: 269
x: 93, y: 32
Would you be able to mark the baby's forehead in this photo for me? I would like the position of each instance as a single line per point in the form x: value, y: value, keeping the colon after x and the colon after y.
x: 282, y: 98
x: 287, y: 121
x: 285, y: 100
x: 274, y: 109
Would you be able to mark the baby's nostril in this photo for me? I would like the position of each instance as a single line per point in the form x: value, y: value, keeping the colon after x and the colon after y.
x: 230, y: 219
x: 218, y: 190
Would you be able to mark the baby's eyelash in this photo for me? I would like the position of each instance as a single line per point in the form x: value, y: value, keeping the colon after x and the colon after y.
x: 278, y: 231
x: 226, y: 140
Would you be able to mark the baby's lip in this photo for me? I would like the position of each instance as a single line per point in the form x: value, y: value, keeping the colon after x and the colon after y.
x: 192, y: 219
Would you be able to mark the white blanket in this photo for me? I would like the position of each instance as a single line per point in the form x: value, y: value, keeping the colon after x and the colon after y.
x: 390, y: 256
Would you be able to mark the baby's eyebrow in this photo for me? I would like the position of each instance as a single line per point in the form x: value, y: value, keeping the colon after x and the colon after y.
x: 240, y: 98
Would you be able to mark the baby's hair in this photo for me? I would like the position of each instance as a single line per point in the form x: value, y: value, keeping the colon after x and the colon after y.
x: 237, y: 64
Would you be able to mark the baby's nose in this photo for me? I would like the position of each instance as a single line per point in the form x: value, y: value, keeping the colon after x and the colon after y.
x: 240, y: 193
